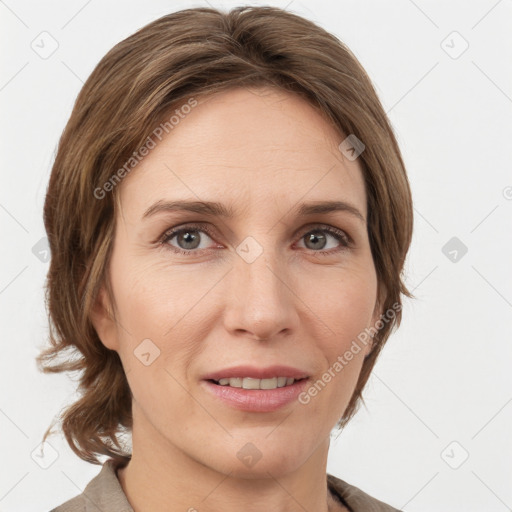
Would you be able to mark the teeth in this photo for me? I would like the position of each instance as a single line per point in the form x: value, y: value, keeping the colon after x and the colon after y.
x: 250, y: 383
x: 281, y: 381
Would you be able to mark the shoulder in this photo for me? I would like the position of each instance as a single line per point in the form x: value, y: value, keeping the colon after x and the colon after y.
x: 103, y: 492
x: 356, y: 499
x: 76, y: 504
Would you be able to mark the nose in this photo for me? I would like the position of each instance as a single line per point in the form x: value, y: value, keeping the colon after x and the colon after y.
x: 260, y: 302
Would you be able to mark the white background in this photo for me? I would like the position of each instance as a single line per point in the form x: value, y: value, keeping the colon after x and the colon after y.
x: 445, y: 376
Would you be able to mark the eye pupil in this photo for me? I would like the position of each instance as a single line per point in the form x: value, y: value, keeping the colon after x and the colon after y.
x: 312, y: 237
x: 188, y: 238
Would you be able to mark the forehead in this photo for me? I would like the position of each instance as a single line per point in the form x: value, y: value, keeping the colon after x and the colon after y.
x: 249, y: 148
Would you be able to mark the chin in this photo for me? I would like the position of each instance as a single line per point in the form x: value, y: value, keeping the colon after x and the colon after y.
x: 258, y: 459
x: 262, y: 469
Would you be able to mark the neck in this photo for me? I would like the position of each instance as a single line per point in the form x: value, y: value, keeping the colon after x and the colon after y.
x: 161, y: 477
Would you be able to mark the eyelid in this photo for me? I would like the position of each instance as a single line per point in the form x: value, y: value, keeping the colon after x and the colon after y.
x: 176, y: 230
x: 343, y: 237
x: 321, y: 226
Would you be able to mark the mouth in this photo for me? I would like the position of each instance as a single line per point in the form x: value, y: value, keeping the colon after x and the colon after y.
x: 252, y: 383
x: 256, y: 389
x: 255, y: 395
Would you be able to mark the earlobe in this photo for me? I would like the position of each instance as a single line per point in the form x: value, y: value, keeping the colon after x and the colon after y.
x: 376, y: 316
x: 369, y: 346
x: 103, y: 320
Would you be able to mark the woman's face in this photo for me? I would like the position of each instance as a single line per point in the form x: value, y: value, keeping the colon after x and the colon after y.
x: 272, y: 284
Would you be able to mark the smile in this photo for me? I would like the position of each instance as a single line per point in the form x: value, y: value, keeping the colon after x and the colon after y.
x: 250, y: 395
x: 250, y: 383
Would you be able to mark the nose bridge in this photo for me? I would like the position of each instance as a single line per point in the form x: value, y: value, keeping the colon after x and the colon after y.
x: 263, y: 275
x: 261, y: 303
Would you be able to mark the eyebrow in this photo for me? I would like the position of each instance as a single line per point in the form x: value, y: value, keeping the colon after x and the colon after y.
x: 215, y: 209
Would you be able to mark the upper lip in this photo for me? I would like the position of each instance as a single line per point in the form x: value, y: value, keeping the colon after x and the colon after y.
x: 257, y: 373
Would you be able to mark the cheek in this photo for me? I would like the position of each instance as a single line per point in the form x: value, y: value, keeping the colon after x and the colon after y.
x: 343, y: 299
x: 156, y: 333
x: 170, y: 307
x: 342, y: 308
x: 153, y: 296
x: 351, y: 311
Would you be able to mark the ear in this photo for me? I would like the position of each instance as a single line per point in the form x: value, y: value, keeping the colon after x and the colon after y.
x: 378, y: 311
x: 103, y: 320
x: 375, y: 316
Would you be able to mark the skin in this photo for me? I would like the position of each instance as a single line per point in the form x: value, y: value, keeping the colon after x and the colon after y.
x: 261, y: 152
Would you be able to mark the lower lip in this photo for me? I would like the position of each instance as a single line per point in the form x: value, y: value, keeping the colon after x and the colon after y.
x: 257, y: 400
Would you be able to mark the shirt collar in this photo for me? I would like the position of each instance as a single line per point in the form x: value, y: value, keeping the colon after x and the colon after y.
x: 104, y: 492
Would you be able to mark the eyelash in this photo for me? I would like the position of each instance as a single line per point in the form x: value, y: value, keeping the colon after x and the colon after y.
x: 338, y: 234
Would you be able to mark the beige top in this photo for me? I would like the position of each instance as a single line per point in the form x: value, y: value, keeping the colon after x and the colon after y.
x: 105, y: 494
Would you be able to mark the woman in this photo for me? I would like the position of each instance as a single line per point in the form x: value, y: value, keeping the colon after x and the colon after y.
x: 228, y: 216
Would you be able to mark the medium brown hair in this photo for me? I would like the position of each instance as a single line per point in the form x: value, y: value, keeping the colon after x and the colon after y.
x: 192, y: 53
